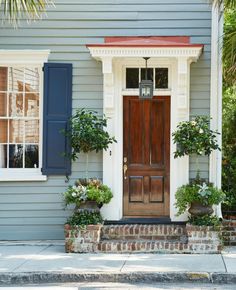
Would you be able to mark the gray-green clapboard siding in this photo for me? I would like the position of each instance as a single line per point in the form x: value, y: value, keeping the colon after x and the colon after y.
x: 34, y: 210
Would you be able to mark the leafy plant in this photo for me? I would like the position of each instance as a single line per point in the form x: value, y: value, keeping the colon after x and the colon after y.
x: 195, y: 137
x: 92, y: 190
x: 87, y: 134
x: 85, y: 218
x: 229, y: 148
x: 204, y: 193
x: 14, y: 10
x: 206, y: 220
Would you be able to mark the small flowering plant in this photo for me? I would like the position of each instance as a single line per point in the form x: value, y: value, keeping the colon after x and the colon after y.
x: 196, y: 191
x: 87, y: 190
x: 195, y: 137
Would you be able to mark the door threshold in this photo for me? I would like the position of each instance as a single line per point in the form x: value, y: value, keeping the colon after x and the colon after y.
x: 144, y: 221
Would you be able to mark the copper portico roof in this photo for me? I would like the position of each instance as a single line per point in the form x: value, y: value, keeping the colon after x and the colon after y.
x: 147, y: 41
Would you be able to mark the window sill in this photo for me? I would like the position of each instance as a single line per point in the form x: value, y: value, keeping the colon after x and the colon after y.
x: 19, y: 175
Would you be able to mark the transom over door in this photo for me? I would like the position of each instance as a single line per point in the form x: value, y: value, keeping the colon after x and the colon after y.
x: 146, y: 157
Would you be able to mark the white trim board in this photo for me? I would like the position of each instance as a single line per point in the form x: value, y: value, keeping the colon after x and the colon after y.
x: 113, y: 91
x: 215, y: 165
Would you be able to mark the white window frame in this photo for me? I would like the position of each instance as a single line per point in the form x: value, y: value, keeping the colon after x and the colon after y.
x: 154, y: 64
x: 26, y: 58
x: 155, y: 90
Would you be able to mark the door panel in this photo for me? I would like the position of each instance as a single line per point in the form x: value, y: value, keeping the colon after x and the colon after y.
x: 147, y: 156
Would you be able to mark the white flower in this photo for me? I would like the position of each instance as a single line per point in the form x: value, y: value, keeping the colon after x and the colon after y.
x: 201, y: 131
x: 74, y: 194
x: 193, y: 123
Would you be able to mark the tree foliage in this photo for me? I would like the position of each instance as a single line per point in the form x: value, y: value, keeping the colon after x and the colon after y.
x: 15, y: 10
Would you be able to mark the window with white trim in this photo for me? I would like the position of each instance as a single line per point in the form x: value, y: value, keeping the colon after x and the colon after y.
x: 159, y: 76
x: 19, y: 116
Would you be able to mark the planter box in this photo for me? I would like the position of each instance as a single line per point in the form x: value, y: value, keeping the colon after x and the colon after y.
x: 204, y: 239
x: 82, y: 240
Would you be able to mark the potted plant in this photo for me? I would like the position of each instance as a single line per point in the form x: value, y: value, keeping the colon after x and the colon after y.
x: 89, y: 194
x: 198, y: 197
x: 196, y: 138
x: 82, y: 230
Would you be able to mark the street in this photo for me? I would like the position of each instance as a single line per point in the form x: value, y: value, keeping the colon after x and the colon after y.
x: 127, y: 286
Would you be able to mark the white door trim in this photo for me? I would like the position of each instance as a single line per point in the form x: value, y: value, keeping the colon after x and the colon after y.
x: 113, y: 91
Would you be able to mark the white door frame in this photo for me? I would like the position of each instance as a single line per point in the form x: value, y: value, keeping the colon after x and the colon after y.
x: 178, y: 60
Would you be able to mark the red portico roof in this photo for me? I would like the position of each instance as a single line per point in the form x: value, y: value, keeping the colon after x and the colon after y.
x: 147, y: 41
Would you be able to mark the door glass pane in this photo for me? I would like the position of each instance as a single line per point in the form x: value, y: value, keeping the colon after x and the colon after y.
x: 16, y: 129
x: 16, y: 79
x: 132, y: 78
x: 3, y: 156
x: 31, y: 156
x: 31, y: 80
x: 15, y: 156
x: 161, y: 81
x: 3, y: 78
x: 3, y: 104
x: 32, y: 131
x: 31, y: 105
x: 3, y: 131
x: 16, y: 105
x: 149, y: 74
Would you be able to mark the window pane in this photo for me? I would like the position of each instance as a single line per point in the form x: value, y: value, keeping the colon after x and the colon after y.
x: 3, y: 131
x: 32, y: 131
x: 31, y: 156
x: 3, y: 104
x: 15, y: 156
x: 149, y: 74
x: 161, y: 78
x: 31, y: 105
x: 16, y: 129
x: 16, y: 79
x: 132, y: 78
x: 3, y: 78
x: 16, y: 105
x: 31, y: 80
x: 3, y: 156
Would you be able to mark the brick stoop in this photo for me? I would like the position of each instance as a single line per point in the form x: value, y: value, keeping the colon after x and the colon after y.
x: 146, y: 238
x: 143, y: 238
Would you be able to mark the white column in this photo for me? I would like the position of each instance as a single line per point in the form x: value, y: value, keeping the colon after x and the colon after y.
x: 180, y: 166
x: 109, y: 211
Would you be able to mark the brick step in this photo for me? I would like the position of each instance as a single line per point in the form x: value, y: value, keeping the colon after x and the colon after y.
x: 143, y: 246
x: 144, y: 232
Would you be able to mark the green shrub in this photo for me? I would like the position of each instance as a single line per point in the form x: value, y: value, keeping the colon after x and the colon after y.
x: 85, y: 218
x: 206, y: 220
x: 229, y: 148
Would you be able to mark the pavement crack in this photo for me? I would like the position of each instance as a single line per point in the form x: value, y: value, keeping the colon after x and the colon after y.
x: 27, y: 260
x: 226, y: 271
x: 124, y: 263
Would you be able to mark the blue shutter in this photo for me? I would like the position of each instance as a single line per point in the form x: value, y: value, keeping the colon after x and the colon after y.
x: 57, y: 106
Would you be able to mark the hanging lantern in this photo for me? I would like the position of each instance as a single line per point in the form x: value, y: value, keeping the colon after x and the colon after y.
x: 146, y: 86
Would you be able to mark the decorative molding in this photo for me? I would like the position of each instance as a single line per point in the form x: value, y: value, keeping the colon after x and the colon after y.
x: 36, y: 57
x: 187, y: 52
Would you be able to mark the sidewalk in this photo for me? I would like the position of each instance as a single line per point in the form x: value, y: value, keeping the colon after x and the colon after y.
x: 46, y: 262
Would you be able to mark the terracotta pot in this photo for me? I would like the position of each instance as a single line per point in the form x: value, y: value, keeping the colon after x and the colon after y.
x: 88, y: 205
x: 199, y: 209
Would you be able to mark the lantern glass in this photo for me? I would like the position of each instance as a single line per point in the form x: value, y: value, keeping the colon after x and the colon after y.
x: 146, y: 89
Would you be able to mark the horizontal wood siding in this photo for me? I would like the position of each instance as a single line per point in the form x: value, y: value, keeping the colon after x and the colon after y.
x: 34, y: 210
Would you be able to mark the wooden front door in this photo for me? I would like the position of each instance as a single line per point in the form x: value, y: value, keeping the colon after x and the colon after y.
x: 146, y: 158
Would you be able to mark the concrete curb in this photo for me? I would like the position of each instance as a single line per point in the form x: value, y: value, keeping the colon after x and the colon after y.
x: 141, y: 277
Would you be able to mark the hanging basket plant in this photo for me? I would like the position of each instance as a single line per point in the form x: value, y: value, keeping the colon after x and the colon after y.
x: 87, y: 133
